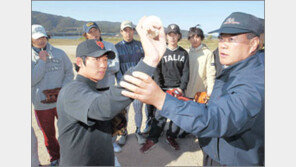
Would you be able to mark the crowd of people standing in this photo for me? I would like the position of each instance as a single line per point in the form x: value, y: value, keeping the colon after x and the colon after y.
x: 229, y: 127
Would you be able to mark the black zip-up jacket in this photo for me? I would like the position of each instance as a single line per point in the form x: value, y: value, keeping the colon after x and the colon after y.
x: 173, y: 69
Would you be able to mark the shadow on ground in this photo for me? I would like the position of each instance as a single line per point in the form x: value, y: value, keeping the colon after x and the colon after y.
x: 162, y: 154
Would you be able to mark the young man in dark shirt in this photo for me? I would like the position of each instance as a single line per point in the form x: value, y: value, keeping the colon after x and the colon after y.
x: 171, y: 73
x: 84, y: 113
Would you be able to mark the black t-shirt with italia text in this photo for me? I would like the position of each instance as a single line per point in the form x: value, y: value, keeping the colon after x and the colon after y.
x: 173, y: 69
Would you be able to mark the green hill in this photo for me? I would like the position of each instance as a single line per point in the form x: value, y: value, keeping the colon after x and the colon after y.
x: 60, y: 25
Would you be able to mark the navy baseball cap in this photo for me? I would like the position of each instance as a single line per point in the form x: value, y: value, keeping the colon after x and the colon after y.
x: 238, y: 23
x: 262, y: 26
x: 93, y: 48
x: 87, y: 26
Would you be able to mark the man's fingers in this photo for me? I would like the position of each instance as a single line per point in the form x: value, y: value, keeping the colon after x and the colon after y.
x: 135, y: 81
x: 144, y: 77
x: 139, y: 27
x: 130, y: 94
x: 161, y: 33
x: 130, y: 87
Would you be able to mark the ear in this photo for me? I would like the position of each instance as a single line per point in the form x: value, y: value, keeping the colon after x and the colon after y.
x: 79, y: 61
x: 254, y: 42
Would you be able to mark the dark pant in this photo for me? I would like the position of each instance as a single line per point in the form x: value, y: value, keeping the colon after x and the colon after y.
x: 150, y: 110
x: 45, y: 120
x: 158, y: 124
x: 208, y: 161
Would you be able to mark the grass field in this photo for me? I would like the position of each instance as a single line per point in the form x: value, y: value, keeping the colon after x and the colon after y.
x: 69, y: 45
x: 211, y: 43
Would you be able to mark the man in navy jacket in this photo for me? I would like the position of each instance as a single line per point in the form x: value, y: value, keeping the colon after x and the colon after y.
x: 230, y: 126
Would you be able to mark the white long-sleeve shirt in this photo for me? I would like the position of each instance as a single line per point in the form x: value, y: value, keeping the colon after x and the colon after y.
x: 202, y: 71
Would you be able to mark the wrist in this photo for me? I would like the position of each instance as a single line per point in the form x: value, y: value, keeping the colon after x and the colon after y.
x: 150, y: 61
x: 160, y: 100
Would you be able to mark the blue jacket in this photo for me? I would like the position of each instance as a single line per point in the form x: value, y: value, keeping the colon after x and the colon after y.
x: 231, y: 126
x: 129, y: 54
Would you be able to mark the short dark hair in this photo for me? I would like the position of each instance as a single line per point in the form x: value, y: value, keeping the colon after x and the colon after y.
x: 251, y: 35
x: 195, y: 31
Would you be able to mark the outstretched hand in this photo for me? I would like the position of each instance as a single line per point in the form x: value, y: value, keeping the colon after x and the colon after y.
x: 143, y: 88
x: 154, y: 48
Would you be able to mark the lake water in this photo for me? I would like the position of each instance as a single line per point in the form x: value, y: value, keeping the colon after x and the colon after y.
x: 65, y: 37
x: 104, y: 35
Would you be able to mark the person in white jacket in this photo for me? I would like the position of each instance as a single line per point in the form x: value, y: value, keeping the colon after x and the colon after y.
x: 201, y: 64
x: 51, y: 70
x: 202, y: 67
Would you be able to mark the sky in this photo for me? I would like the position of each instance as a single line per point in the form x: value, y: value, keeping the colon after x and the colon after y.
x: 186, y: 14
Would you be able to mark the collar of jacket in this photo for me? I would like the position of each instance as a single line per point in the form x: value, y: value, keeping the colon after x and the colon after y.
x: 200, y: 47
x: 240, y: 65
x: 173, y: 49
x: 125, y: 42
x: 48, y: 48
x: 91, y: 83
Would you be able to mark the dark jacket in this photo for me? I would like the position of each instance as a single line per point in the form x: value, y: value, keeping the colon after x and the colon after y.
x: 173, y: 69
x: 231, y: 126
x: 84, y: 113
x: 218, y: 65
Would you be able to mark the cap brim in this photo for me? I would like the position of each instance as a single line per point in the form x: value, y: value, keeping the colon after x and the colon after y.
x: 38, y: 35
x: 229, y: 30
x: 173, y: 31
x: 127, y: 26
x: 90, y: 27
x: 99, y: 53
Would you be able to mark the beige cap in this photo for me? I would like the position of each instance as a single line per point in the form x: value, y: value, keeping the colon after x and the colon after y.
x: 125, y: 24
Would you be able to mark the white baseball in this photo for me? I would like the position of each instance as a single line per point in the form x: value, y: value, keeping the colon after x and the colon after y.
x: 151, y: 25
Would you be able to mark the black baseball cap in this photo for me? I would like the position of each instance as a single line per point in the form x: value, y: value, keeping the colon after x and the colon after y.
x: 173, y: 28
x: 93, y: 48
x: 238, y: 23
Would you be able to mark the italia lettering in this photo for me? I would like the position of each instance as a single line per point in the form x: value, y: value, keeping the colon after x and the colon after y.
x: 174, y: 58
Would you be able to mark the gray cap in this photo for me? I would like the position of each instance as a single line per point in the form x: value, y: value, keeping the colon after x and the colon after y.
x: 238, y: 22
x: 125, y: 24
x: 93, y: 48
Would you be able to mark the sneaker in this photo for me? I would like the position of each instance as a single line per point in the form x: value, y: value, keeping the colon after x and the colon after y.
x: 116, y: 162
x: 183, y: 135
x: 141, y: 139
x: 116, y: 147
x: 122, y: 139
x: 147, y: 146
x: 172, y: 142
x: 55, y: 163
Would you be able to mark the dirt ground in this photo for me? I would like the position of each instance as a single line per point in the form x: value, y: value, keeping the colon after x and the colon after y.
x: 189, y: 154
